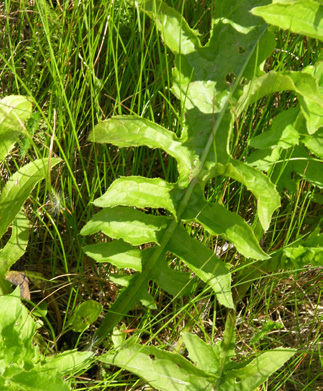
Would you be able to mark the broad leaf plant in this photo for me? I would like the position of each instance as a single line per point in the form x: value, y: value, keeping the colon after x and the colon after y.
x: 214, y: 83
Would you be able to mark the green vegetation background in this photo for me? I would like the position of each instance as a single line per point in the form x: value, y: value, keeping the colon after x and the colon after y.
x: 82, y: 62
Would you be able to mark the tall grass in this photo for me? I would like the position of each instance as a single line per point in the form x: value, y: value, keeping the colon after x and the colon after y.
x: 81, y: 62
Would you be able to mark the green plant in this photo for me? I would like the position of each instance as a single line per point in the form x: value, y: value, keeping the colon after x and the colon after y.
x: 23, y: 365
x: 215, y: 84
x: 214, y: 368
x: 14, y: 111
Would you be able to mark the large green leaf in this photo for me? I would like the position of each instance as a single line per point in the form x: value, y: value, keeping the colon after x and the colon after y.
x: 118, y: 253
x: 163, y: 370
x: 218, y: 220
x: 250, y: 376
x: 205, y: 356
x: 303, y: 83
x: 281, y: 148
x: 140, y: 192
x: 65, y: 361
x: 14, y: 249
x: 297, y: 255
x: 21, y: 364
x: 169, y: 371
x: 14, y: 111
x: 314, y: 143
x: 259, y: 184
x: 313, y: 110
x: 37, y: 379
x: 300, y: 162
x: 200, y: 75
x: 123, y: 255
x: 84, y: 315
x: 131, y: 225
x: 283, y: 132
x: 176, y: 33
x: 18, y: 188
x: 129, y: 131
x: 177, y: 283
x: 299, y: 16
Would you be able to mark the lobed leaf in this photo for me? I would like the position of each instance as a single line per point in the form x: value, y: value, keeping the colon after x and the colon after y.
x: 130, y: 131
x: 201, y: 80
x: 123, y: 255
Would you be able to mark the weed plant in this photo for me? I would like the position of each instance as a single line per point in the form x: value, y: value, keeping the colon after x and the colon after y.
x: 84, y: 62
